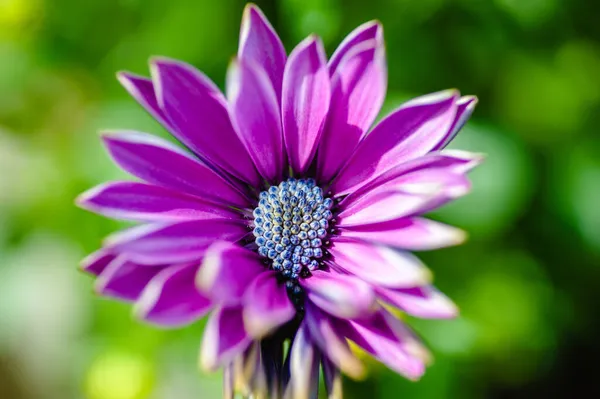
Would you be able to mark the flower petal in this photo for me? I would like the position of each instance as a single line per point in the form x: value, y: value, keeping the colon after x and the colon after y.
x: 333, y: 379
x: 414, y: 234
x: 377, y: 264
x: 224, y: 338
x: 198, y: 112
x: 409, y: 132
x: 174, y: 242
x: 305, y: 101
x: 425, y: 302
x: 142, y: 90
x: 371, y: 30
x: 146, y: 202
x: 266, y: 305
x: 339, y: 295
x: 123, y: 279
x: 465, y: 108
x: 96, y: 262
x: 358, y: 91
x: 170, y: 299
x: 227, y: 270
x: 379, y: 337
x: 260, y: 44
x: 304, y: 366
x: 329, y: 340
x: 159, y: 162
x: 255, y: 114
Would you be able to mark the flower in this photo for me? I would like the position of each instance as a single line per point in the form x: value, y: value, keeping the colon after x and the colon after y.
x: 284, y: 219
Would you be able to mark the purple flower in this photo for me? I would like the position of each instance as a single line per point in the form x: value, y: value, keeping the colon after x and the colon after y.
x: 285, y: 220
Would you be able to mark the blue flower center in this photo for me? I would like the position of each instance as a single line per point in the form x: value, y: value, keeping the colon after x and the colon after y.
x: 291, y: 223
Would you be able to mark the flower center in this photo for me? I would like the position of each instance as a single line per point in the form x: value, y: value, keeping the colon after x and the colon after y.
x: 291, y: 221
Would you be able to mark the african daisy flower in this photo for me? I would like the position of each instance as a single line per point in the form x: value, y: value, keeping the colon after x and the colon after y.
x: 287, y: 218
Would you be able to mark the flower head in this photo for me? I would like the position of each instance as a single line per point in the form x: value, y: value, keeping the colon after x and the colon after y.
x: 284, y: 219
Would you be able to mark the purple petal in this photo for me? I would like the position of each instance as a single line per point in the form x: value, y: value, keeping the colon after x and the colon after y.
x: 125, y: 280
x: 339, y: 295
x: 425, y: 302
x: 224, y: 338
x: 378, y: 265
x: 358, y: 91
x: 255, y: 114
x: 159, y: 162
x: 198, y: 112
x: 227, y: 270
x: 170, y: 299
x: 305, y: 101
x: 260, y: 44
x: 368, y: 31
x: 380, y: 337
x: 411, y: 131
x: 96, y: 262
x: 146, y: 202
x: 466, y: 105
x: 142, y: 90
x: 414, y: 234
x: 331, y: 342
x: 333, y: 379
x: 451, y: 161
x: 304, y: 367
x: 174, y: 242
x: 266, y: 305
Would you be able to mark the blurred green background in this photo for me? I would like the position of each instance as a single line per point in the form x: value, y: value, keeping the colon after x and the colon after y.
x: 527, y: 282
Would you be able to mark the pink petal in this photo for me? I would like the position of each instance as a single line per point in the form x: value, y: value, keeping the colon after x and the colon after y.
x: 198, y: 112
x: 368, y: 31
x: 125, y: 280
x: 425, y: 302
x: 266, y: 305
x: 358, y: 91
x: 414, y: 234
x: 339, y: 295
x: 260, y: 44
x: 224, y: 338
x: 146, y: 202
x: 255, y: 114
x: 96, y: 262
x: 304, y: 367
x: 305, y: 101
x: 377, y: 264
x: 227, y: 270
x: 174, y: 242
x: 407, y: 133
x: 466, y: 106
x: 170, y: 299
x: 161, y: 163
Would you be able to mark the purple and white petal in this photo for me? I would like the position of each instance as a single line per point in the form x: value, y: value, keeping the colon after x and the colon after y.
x: 260, y: 44
x: 266, y: 305
x: 333, y: 379
x: 368, y: 31
x: 178, y: 242
x: 358, y: 90
x: 198, y: 112
x: 304, y: 367
x: 224, y: 338
x: 328, y: 338
x: 255, y: 114
x: 424, y: 302
x: 149, y: 203
x: 378, y: 264
x: 96, y: 262
x: 411, y: 131
x: 142, y: 89
x: 227, y: 270
x: 159, y: 162
x: 305, y: 102
x: 466, y: 106
x: 125, y: 280
x: 171, y: 300
x: 413, y: 234
x: 340, y: 295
